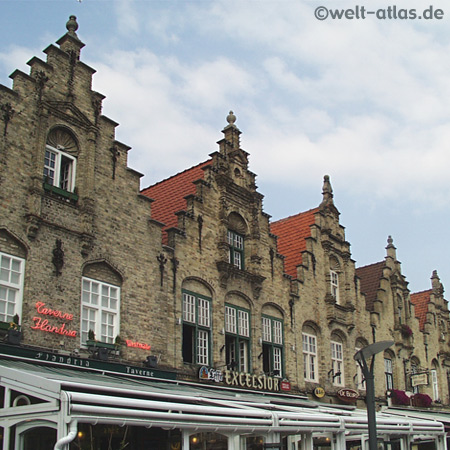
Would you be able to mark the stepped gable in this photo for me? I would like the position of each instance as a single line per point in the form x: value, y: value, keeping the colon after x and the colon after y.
x: 169, y: 195
x: 420, y: 300
x: 292, y: 233
x: 370, y: 276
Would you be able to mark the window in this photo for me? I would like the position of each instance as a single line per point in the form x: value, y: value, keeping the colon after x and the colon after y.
x: 236, y: 243
x: 309, y: 357
x: 334, y: 282
x: 272, y: 351
x: 414, y: 369
x: 360, y: 381
x: 59, y: 169
x: 389, y: 376
x: 100, y: 310
x: 237, y: 337
x: 337, y: 363
x: 435, y: 384
x: 11, y: 286
x: 196, y: 328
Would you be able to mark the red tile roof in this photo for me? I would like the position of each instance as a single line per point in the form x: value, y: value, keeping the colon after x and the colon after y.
x: 420, y: 300
x: 370, y: 281
x: 168, y: 195
x: 292, y: 233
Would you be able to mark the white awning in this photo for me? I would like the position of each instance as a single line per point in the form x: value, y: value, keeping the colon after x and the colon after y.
x: 90, y: 397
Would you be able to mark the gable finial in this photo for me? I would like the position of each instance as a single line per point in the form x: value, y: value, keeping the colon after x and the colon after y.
x: 72, y: 26
x: 327, y: 192
x: 231, y: 118
x: 391, y: 249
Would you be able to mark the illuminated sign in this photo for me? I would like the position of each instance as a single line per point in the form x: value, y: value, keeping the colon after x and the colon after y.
x: 140, y: 345
x: 42, y: 324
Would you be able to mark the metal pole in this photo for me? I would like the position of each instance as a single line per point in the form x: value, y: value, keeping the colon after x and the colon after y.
x: 370, y: 400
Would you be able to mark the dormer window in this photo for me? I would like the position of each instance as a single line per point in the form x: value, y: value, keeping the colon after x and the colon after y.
x: 59, y: 169
x: 236, y: 253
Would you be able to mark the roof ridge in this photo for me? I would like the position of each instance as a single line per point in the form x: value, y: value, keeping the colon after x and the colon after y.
x: 421, y: 292
x: 370, y: 265
x: 294, y: 215
x: 176, y: 175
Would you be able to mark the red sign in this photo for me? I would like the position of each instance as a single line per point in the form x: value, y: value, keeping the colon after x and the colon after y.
x: 347, y: 395
x: 41, y: 309
x: 44, y: 325
x: 285, y: 385
x: 138, y: 345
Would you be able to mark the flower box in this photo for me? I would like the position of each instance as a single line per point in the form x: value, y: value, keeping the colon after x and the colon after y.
x: 98, y: 344
x: 399, y: 398
x: 421, y: 400
x: 61, y: 192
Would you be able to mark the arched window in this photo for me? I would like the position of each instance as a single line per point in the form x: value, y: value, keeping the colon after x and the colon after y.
x: 60, y: 160
x: 334, y: 279
x: 196, y: 303
x: 12, y: 271
x: 237, y: 229
x: 337, y: 360
x: 434, y: 375
x: 100, y: 303
x: 310, y: 357
x: 359, y: 379
x: 237, y: 333
x: 272, y: 341
x: 389, y: 370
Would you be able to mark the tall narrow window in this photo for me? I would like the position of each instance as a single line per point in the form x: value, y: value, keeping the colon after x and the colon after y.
x: 389, y: 376
x: 196, y: 328
x: 337, y: 363
x: 360, y: 381
x: 334, y: 282
x: 237, y: 338
x: 100, y: 310
x: 59, y: 169
x: 236, y: 253
x: 272, y: 351
x: 310, y: 357
x: 414, y: 369
x: 435, y: 384
x: 11, y: 286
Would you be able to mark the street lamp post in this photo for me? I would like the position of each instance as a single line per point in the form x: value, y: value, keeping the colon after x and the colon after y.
x: 361, y: 357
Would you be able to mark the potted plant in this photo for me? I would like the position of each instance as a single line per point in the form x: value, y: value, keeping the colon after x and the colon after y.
x: 14, y: 335
x: 92, y: 342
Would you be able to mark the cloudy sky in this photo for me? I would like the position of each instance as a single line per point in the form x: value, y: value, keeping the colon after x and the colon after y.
x: 365, y: 101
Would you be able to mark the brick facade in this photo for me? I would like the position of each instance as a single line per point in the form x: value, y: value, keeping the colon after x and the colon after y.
x: 170, y: 243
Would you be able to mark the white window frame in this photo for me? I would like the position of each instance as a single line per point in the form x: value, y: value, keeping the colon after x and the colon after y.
x: 272, y: 333
x: 10, y: 283
x: 237, y: 327
x: 58, y: 161
x: 197, y: 315
x: 310, y: 369
x: 334, y: 285
x: 435, y: 384
x: 337, y: 362
x: 97, y: 311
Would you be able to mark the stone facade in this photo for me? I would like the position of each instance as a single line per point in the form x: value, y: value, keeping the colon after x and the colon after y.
x: 190, y: 266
